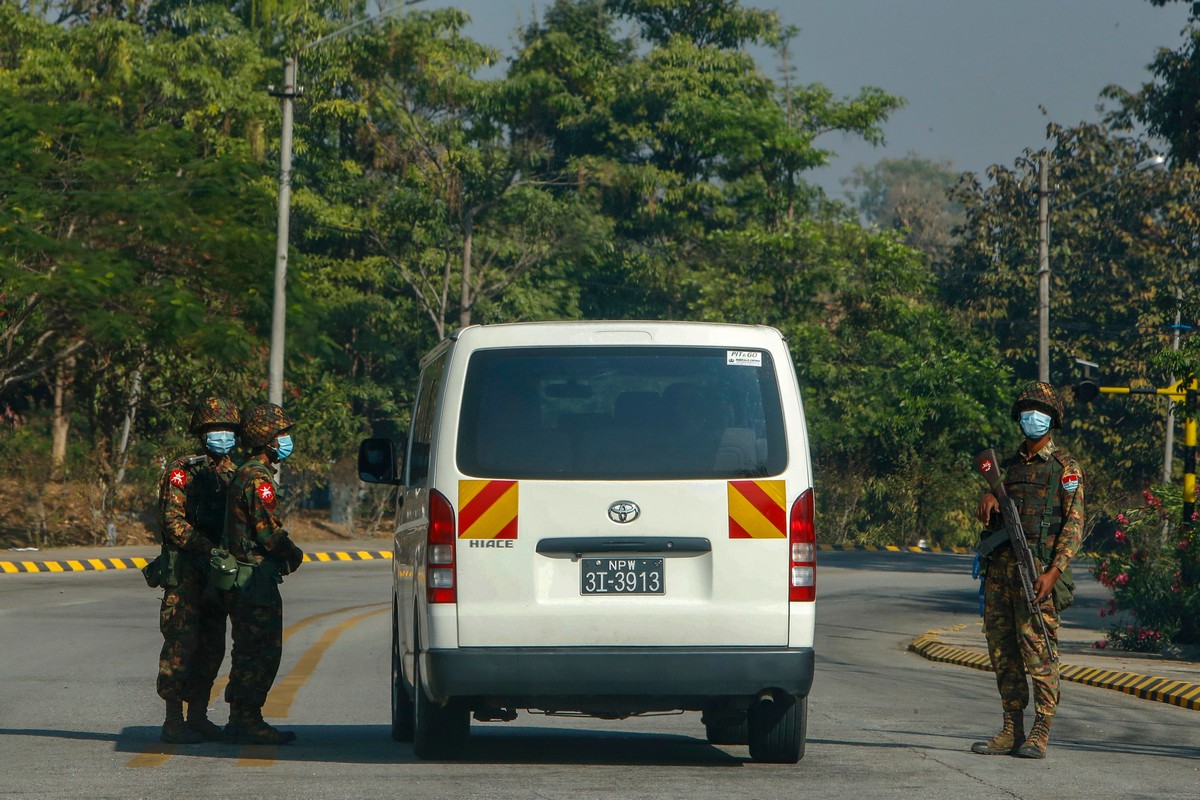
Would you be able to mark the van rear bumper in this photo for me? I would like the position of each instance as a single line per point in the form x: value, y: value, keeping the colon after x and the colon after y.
x: 613, y: 671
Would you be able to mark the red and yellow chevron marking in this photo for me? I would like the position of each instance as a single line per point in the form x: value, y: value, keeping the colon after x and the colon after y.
x: 756, y: 510
x: 487, y: 509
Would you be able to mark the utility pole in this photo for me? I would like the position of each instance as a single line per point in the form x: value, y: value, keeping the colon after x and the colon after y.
x: 279, y: 306
x: 1169, y: 445
x: 1044, y: 268
x: 1043, y: 272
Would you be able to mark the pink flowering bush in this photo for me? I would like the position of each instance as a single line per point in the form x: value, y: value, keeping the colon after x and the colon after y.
x: 1153, y: 572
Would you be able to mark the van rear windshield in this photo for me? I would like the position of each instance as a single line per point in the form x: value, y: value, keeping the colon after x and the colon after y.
x: 610, y: 413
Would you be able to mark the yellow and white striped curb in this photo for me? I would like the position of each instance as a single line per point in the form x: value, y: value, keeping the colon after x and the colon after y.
x: 137, y: 562
x: 1148, y: 687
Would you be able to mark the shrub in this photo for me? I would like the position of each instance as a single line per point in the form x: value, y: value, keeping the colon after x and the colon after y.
x: 1152, y: 572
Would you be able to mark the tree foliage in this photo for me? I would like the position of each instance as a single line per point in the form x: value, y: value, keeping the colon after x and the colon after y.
x: 628, y: 159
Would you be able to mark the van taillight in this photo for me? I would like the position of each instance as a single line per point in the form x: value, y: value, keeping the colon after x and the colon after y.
x: 803, y: 572
x: 439, y: 551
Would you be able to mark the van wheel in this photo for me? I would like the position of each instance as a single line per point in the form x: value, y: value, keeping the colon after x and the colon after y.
x: 778, y: 730
x: 402, y: 704
x: 438, y: 731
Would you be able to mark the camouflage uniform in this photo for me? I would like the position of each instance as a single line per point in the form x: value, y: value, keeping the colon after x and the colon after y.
x: 254, y: 534
x: 1048, y: 490
x: 191, y: 503
x: 1036, y: 485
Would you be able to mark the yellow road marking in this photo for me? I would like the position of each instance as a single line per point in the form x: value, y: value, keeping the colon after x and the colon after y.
x: 258, y: 755
x: 283, y: 693
x: 156, y: 754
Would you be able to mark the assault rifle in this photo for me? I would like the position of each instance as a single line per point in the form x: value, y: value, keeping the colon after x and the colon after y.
x: 985, y: 464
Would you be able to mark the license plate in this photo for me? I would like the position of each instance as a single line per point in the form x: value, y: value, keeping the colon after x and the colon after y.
x: 622, y: 576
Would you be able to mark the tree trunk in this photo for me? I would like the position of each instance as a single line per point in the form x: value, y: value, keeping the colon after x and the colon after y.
x: 343, y: 489
x: 466, y: 300
x: 122, y: 454
x: 61, y: 422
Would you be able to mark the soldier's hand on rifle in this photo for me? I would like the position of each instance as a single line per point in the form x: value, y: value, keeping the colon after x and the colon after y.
x: 1044, y: 585
x: 988, y: 505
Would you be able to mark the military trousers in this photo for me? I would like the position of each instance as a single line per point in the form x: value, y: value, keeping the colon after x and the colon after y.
x: 1014, y: 640
x: 192, y: 622
x: 257, y: 648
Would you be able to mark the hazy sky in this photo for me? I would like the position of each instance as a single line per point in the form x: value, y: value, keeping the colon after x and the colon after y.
x: 974, y: 73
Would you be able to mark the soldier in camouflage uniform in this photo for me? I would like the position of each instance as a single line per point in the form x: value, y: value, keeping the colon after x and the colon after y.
x: 1046, y: 484
x: 192, y: 510
x: 254, y: 534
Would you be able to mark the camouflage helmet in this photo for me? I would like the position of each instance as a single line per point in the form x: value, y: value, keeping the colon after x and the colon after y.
x: 1040, y: 397
x: 262, y: 424
x: 214, y: 411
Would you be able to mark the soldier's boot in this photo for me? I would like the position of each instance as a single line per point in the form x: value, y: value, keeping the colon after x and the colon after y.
x: 1039, y: 737
x: 175, y: 730
x: 246, y: 726
x: 1010, y: 737
x: 197, y: 720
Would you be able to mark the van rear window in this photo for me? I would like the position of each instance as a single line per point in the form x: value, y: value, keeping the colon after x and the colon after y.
x: 611, y: 413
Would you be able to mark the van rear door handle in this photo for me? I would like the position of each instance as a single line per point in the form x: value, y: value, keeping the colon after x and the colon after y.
x: 578, y: 545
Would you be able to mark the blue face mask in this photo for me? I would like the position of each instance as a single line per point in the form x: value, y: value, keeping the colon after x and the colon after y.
x: 219, y: 443
x: 285, y: 447
x: 1035, y: 424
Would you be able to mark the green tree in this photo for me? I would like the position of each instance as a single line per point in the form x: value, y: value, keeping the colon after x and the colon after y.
x: 1117, y: 240
x: 910, y: 195
x: 1169, y: 105
x: 121, y: 224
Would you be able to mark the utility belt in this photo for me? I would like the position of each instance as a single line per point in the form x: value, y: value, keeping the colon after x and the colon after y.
x: 258, y: 582
x: 171, y: 566
x: 1043, y: 552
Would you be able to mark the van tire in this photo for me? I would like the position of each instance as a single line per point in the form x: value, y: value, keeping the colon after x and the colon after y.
x: 778, y: 729
x: 402, y: 703
x: 438, y: 731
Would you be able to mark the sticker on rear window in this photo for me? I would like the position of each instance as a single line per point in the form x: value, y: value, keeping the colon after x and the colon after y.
x: 743, y: 358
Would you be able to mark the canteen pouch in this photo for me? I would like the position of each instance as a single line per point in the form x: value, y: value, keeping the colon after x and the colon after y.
x: 1064, y: 590
x: 259, y: 583
x: 153, y: 571
x: 163, y: 571
x: 223, y: 570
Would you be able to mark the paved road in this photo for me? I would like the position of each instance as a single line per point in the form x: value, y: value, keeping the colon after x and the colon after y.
x: 79, y: 717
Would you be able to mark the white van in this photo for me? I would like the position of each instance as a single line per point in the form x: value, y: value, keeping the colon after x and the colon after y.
x: 608, y: 519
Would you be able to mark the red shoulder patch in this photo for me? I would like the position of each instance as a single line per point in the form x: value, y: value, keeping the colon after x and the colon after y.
x: 178, y: 478
x: 266, y: 495
x: 1070, y: 480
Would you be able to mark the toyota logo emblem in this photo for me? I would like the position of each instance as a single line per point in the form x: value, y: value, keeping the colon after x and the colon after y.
x: 624, y: 511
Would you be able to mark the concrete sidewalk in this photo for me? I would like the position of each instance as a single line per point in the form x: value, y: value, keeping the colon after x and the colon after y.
x: 1150, y: 677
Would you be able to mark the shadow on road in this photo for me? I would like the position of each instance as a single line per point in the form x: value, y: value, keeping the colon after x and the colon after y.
x: 886, y: 561
x: 372, y: 744
x: 1124, y: 746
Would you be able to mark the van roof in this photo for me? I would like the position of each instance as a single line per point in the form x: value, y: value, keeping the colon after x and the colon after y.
x: 617, y: 332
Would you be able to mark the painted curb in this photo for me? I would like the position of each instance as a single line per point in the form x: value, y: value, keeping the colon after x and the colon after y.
x: 102, y: 564
x: 1147, y: 687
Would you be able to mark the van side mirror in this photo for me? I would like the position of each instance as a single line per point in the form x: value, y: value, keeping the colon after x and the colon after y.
x: 377, y: 462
